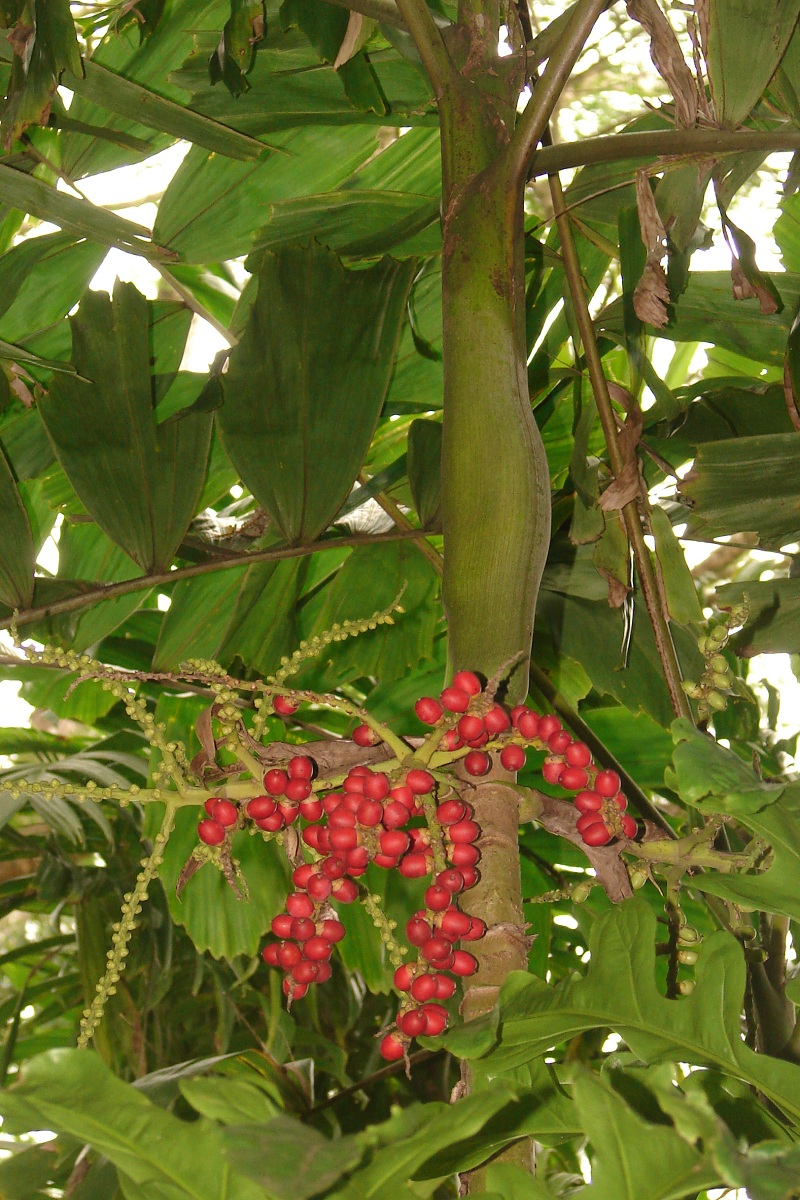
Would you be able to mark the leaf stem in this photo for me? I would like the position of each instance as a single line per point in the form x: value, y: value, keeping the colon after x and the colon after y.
x: 630, y: 512
x: 419, y: 22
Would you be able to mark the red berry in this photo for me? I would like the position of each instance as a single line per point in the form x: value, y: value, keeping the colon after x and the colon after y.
x: 423, y: 988
x: 354, y: 783
x: 403, y: 795
x: 391, y: 1048
x: 281, y: 925
x: 471, y: 876
x: 428, y: 710
x: 289, y: 812
x: 420, y: 782
x: 333, y: 867
x: 413, y: 1023
x: 464, y: 963
x: 317, y: 948
x: 283, y: 706
x: 343, y: 839
x: 295, y: 990
x: 469, y: 728
x: 455, y: 699
x: 297, y: 789
x: 559, y: 741
x: 343, y: 818
x: 621, y: 801
x: 332, y: 801
x: 573, y: 779
x: 477, y: 763
x: 450, y: 812
x: 319, y: 887
x: 332, y: 930
x: 444, y: 987
x: 210, y: 832
x: 414, y: 866
x: 271, y: 824
x: 477, y: 929
x: 476, y: 743
x: 362, y: 735
x: 311, y: 809
x: 357, y: 859
x: 512, y: 757
x: 464, y: 831
x: 345, y: 891
x: 437, y: 898
x: 578, y: 754
x: 464, y: 855
x: 630, y: 826
x: 225, y: 813
x: 376, y: 787
x: 455, y: 923
x: 528, y: 725
x: 270, y: 954
x: 302, y: 929
x: 436, y: 949
x: 596, y: 834
x: 209, y: 804
x: 607, y: 783
x: 361, y: 770
x: 323, y: 972
x: 305, y: 972
x: 300, y: 767
x: 275, y: 781
x: 403, y: 978
x: 468, y: 682
x: 301, y: 875
x: 311, y: 836
x: 592, y: 817
x: 552, y: 770
x: 548, y: 725
x: 289, y: 955
x: 496, y: 720
x: 395, y: 815
x: 452, y: 880
x: 518, y: 711
x: 299, y: 904
x: 394, y: 842
x: 451, y: 741
x: 435, y: 1023
x: 588, y: 801
x: 387, y: 861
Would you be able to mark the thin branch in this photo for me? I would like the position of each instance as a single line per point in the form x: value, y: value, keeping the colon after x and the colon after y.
x: 427, y: 36
x: 536, y: 117
x: 630, y: 513
x: 107, y: 591
x: 617, y: 147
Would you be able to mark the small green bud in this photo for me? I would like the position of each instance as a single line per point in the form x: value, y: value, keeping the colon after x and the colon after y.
x: 688, y: 935
x: 638, y: 877
x: 719, y: 663
x: 716, y: 701
x: 686, y: 987
x: 580, y: 893
x: 689, y: 686
x: 687, y: 957
x: 718, y: 636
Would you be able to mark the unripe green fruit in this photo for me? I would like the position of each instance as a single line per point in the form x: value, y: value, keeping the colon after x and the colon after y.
x: 688, y: 935
x: 719, y: 663
x: 718, y: 636
x: 686, y: 987
x: 721, y: 680
x: 687, y: 957
x: 716, y: 701
x: 580, y: 893
x: 638, y: 877
x: 689, y: 686
x: 702, y: 643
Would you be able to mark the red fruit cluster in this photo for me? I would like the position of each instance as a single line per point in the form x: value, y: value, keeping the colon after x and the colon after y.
x: 288, y: 797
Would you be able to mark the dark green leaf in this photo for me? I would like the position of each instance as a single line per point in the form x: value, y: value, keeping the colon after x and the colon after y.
x: 746, y: 41
x: 773, y: 615
x: 683, y: 603
x: 16, y: 544
x: 424, y: 470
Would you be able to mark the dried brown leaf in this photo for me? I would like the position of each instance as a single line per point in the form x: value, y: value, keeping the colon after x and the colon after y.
x: 668, y: 59
x: 744, y: 289
x: 623, y: 489
x: 651, y: 296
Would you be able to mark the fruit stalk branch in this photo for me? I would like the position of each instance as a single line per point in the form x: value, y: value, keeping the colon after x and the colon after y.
x: 630, y: 512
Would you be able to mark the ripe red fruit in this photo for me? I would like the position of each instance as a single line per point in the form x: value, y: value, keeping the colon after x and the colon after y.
x: 362, y: 735
x: 412, y: 1023
x: 578, y: 754
x: 209, y: 804
x: 477, y: 929
x: 573, y: 779
x: 311, y: 836
x: 496, y: 720
x: 444, y: 987
x: 423, y: 988
x: 468, y: 682
x: 343, y: 839
x: 450, y: 812
x: 559, y: 741
x: 271, y: 824
x: 395, y: 815
x: 289, y: 812
x: 345, y: 891
x: 281, y: 925
x: 305, y: 972
x: 593, y: 817
x: 588, y: 801
x: 428, y: 710
x: 464, y: 831
x: 548, y: 725
x: 436, y: 949
x: 528, y: 725
x: 621, y: 801
x: 517, y: 711
x: 476, y: 743
x: 452, y: 880
x: 437, y: 898
x: 299, y: 904
x: 464, y: 963
x: 369, y: 813
x: 417, y: 930
x: 421, y: 782
x: 387, y: 861
x: 357, y: 859
x: 301, y: 875
x: 317, y: 948
x: 333, y: 867
x: 323, y: 972
x: 630, y: 826
x: 319, y: 887
x: 225, y: 813
x: 391, y: 1048
x: 394, y: 842
x: 455, y: 924
x: 455, y: 699
x: 469, y: 728
x: 463, y: 855
x: 607, y: 783
x: 311, y: 809
x: 471, y: 876
x: 289, y: 955
x: 270, y: 954
x: 343, y: 818
x: 415, y: 865
x: 451, y: 741
x: 552, y: 770
x: 596, y: 834
x: 354, y: 783
x: 210, y: 832
x: 332, y: 930
x: 332, y: 801
x: 283, y: 706
x: 435, y: 1022
x: 512, y: 757
x: 376, y: 787
x: 275, y: 781
x: 298, y: 789
x: 300, y: 767
x: 403, y: 795
x: 295, y: 991
x: 477, y: 763
x: 403, y: 978
x: 302, y: 929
